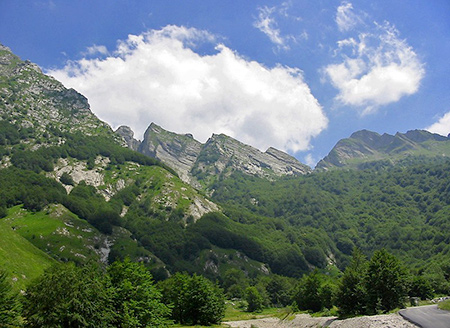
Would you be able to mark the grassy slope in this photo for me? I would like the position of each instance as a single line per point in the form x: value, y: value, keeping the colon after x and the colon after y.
x: 21, y: 259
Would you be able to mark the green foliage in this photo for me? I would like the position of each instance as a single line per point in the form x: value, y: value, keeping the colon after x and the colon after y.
x: 308, y: 293
x: 421, y: 287
x: 280, y: 290
x: 386, y: 282
x: 403, y: 209
x: 379, y: 285
x: 193, y: 299
x: 255, y: 301
x: 89, y: 205
x: 67, y: 296
x: 66, y: 179
x: 351, y: 295
x: 32, y: 190
x: 9, y: 304
x: 137, y: 302
x: 9, y: 133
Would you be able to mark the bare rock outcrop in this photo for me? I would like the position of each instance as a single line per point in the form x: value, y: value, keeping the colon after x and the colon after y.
x: 221, y: 154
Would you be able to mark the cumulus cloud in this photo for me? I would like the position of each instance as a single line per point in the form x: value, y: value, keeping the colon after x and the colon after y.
x: 442, y: 126
x: 158, y: 77
x: 346, y: 19
x: 377, y: 68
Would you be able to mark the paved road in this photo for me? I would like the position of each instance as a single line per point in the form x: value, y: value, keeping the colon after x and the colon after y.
x: 427, y: 316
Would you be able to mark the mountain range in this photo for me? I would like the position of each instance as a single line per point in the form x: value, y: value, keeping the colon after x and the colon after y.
x: 72, y: 189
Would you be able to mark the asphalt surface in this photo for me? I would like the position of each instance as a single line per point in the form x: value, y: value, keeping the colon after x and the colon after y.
x: 427, y: 316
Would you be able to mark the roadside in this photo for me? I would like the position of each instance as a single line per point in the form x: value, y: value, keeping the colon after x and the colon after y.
x: 306, y: 321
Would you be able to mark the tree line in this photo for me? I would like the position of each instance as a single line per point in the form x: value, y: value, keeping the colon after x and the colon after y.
x: 124, y: 296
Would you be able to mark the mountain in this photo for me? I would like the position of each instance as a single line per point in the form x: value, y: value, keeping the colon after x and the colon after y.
x: 72, y: 190
x: 40, y: 106
x: 365, y: 148
x: 68, y: 185
x: 202, y: 164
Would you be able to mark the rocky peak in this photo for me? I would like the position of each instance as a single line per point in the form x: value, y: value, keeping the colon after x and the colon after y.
x: 367, y: 146
x: 178, y: 151
x: 221, y: 154
x: 128, y: 136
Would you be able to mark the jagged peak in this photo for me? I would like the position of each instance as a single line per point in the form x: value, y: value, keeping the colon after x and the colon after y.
x: 366, y: 146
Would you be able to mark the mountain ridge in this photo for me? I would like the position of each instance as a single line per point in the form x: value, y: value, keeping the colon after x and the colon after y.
x: 197, y: 163
x: 364, y: 147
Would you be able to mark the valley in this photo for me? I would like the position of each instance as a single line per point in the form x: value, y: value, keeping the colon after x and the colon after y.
x: 256, y: 223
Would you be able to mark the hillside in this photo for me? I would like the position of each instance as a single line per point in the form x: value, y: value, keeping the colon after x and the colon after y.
x: 71, y: 189
x: 79, y: 189
x: 366, y: 149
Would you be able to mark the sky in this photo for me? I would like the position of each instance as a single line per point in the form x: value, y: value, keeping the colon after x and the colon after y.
x: 297, y: 75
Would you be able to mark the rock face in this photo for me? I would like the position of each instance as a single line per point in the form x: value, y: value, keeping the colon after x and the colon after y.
x: 366, y: 146
x: 221, y: 154
x: 128, y: 135
x: 178, y: 151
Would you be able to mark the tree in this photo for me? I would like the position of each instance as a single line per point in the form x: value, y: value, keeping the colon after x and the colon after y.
x: 351, y: 294
x: 308, y: 292
x: 255, y: 302
x: 68, y: 296
x: 9, y: 304
x: 137, y: 301
x: 235, y: 282
x: 279, y: 290
x: 386, y: 282
x: 66, y: 179
x: 421, y: 287
x: 194, y: 300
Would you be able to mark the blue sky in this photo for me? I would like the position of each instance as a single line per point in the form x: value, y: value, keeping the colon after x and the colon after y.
x: 296, y: 75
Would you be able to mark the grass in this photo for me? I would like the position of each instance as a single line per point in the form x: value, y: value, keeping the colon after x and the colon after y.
x: 21, y: 259
x: 444, y: 305
x: 58, y: 232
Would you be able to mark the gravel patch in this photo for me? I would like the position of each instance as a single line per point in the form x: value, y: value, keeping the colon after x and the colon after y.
x: 306, y: 321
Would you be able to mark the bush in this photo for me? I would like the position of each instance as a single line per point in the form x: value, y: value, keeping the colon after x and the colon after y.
x: 66, y: 179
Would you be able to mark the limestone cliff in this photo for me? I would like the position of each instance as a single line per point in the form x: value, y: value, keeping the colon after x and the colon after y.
x: 128, y: 135
x: 221, y: 154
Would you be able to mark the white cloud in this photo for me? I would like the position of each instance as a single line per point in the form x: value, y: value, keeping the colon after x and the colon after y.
x: 95, y: 50
x: 377, y: 68
x: 267, y: 22
x: 268, y: 25
x: 346, y: 19
x: 442, y: 126
x: 310, y: 160
x: 158, y: 77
